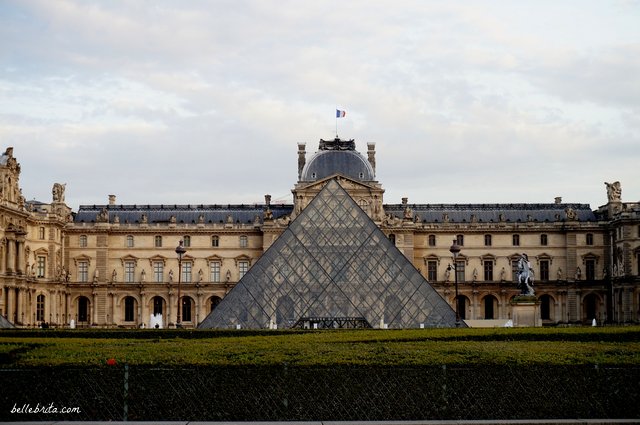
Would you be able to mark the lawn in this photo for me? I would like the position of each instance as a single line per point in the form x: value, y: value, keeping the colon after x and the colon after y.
x: 605, y: 346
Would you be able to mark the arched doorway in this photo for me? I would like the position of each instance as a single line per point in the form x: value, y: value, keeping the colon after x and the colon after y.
x: 83, y: 310
x: 187, y: 309
x: 463, y: 305
x: 158, y: 305
x: 547, y: 307
x: 285, y: 311
x: 129, y: 309
x: 490, y: 307
x: 590, y: 308
x: 213, y: 302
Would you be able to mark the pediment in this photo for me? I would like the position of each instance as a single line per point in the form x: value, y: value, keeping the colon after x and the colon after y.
x: 346, y: 183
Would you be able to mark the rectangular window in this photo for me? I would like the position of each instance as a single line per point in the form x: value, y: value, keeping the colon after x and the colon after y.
x: 432, y: 240
x: 129, y: 271
x: 488, y: 270
x: 186, y: 272
x: 83, y: 271
x: 215, y: 241
x: 487, y: 240
x: 41, y: 233
x: 186, y: 241
x: 516, y: 240
x: 83, y: 241
x: 158, y: 241
x: 589, y: 238
x: 460, y: 270
x: 244, y: 242
x: 514, y: 270
x: 432, y: 271
x: 544, y: 240
x: 158, y: 271
x: 243, y: 267
x: 590, y: 269
x: 215, y: 271
x: 544, y: 270
x: 460, y: 240
x: 42, y: 262
x: 130, y: 241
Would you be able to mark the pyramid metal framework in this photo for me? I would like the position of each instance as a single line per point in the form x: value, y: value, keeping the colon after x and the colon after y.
x: 332, y: 267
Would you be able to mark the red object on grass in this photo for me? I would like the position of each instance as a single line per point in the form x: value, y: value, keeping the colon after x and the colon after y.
x: 112, y: 362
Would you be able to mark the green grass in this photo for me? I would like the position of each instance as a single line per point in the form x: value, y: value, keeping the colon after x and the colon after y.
x: 615, y: 346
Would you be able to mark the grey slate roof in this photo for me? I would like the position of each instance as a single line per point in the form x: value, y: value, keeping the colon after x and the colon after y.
x: 183, y: 213
x: 487, y: 213
x: 430, y: 213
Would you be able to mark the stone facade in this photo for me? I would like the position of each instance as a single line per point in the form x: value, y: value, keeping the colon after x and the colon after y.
x: 115, y: 265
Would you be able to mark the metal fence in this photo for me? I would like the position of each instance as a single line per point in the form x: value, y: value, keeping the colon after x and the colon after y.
x: 292, y: 393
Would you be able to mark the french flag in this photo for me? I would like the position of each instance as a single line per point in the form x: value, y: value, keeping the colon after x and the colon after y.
x: 340, y: 114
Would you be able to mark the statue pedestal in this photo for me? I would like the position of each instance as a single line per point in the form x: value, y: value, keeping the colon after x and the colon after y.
x: 526, y: 311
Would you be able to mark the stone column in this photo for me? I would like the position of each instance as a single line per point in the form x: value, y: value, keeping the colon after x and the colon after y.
x: 20, y: 304
x: 94, y: 308
x: 3, y: 255
x: 20, y: 263
x: 11, y: 256
x: 143, y: 310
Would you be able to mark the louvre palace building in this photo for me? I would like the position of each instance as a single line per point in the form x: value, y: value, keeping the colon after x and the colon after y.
x: 339, y: 254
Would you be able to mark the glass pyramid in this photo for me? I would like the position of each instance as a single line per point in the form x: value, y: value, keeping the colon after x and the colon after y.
x: 332, y: 267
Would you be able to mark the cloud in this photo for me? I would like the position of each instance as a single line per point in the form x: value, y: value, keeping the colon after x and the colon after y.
x: 205, y: 103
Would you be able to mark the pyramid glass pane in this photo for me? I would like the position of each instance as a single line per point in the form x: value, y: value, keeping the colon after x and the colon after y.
x: 335, y: 268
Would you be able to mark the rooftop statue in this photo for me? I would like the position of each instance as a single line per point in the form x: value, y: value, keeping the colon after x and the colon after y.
x: 614, y: 191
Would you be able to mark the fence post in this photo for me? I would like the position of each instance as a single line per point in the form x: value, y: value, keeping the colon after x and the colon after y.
x: 126, y: 393
x: 285, y: 400
x: 445, y: 399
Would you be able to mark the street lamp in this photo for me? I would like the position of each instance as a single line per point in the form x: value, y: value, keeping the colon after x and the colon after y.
x: 455, y: 250
x: 180, y: 250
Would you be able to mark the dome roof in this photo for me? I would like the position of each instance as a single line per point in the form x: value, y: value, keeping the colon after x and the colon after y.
x: 349, y: 163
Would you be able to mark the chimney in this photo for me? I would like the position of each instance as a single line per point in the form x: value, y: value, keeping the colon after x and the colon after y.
x: 301, y: 158
x: 112, y: 199
x: 371, y: 153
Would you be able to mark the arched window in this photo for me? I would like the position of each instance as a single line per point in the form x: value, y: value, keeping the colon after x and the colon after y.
x: 432, y: 240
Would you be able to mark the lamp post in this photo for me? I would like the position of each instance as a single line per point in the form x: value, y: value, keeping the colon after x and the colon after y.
x: 455, y: 250
x: 180, y: 250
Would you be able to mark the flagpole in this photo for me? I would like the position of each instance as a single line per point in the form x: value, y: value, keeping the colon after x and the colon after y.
x: 336, y: 122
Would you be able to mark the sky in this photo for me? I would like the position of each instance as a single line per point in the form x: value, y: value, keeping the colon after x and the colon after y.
x: 204, y: 102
